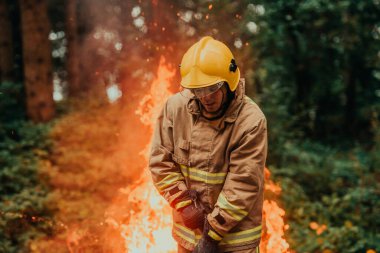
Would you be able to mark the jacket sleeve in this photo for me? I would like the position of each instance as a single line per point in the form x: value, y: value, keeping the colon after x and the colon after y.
x: 244, y: 182
x: 166, y: 174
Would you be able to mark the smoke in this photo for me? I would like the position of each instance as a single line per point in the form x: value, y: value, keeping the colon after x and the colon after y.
x: 121, y: 42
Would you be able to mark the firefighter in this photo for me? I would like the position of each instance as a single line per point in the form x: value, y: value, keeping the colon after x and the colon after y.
x: 208, y: 155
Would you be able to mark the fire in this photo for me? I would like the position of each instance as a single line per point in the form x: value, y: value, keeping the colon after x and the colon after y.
x: 150, y: 229
x: 147, y: 225
x: 273, y: 238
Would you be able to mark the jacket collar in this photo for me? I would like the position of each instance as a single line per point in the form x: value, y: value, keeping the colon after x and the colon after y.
x: 233, y: 109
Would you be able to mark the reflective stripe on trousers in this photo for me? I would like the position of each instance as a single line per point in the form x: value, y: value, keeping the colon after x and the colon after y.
x: 230, y: 239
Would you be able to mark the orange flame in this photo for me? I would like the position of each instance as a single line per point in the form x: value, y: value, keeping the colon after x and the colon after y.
x: 147, y: 226
x: 150, y: 229
x: 273, y: 240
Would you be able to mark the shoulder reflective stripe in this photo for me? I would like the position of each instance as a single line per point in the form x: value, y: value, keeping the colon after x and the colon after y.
x: 235, y: 212
x: 169, y: 180
x: 203, y: 176
x: 183, y: 204
x: 243, y: 236
x: 186, y: 234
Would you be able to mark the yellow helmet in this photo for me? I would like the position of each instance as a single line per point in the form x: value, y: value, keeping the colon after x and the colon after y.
x: 208, y: 62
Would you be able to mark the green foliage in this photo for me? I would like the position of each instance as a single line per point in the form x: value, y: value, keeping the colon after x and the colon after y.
x: 21, y: 144
x: 318, y: 64
x: 317, y: 68
x: 331, y: 188
x: 11, y: 101
x: 22, y: 190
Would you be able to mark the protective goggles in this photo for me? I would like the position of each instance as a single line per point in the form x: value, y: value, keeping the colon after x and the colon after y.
x: 205, y: 91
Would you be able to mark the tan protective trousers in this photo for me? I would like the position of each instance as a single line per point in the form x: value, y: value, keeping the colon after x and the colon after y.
x: 254, y: 250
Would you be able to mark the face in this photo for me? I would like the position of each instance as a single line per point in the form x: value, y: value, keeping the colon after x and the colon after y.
x: 213, y: 102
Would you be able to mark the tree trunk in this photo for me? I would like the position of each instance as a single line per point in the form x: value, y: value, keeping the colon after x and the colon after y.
x: 35, y: 28
x: 72, y: 62
x: 6, y: 49
x: 350, y: 92
x: 303, y: 85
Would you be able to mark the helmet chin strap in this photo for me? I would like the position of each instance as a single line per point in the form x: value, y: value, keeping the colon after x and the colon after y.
x: 222, y: 109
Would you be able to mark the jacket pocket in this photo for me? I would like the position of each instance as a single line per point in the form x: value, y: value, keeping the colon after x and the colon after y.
x: 184, y: 144
x: 180, y: 160
x: 181, y: 151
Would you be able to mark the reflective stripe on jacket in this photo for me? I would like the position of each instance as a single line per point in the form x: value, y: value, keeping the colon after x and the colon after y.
x: 222, y: 160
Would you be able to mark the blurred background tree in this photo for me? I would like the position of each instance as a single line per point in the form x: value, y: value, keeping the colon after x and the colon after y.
x: 38, y: 82
x: 312, y: 65
x: 6, y: 47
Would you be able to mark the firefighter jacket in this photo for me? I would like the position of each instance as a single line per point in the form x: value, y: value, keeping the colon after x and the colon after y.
x: 223, y: 162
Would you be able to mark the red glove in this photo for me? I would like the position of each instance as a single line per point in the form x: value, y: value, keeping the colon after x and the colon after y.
x: 191, y: 210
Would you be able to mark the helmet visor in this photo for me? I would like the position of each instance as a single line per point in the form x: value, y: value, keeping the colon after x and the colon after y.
x: 205, y: 91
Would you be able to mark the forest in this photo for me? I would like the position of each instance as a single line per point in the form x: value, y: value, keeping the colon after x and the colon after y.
x: 82, y: 80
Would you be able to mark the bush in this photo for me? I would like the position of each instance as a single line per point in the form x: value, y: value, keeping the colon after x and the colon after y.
x: 331, y: 198
x: 23, y: 191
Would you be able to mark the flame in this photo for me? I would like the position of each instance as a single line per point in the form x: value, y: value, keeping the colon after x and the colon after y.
x: 146, y: 227
x: 150, y: 229
x: 149, y: 221
x: 273, y: 240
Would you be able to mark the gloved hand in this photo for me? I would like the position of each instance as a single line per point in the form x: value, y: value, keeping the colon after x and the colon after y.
x: 191, y: 210
x: 207, y: 244
x: 192, y: 216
